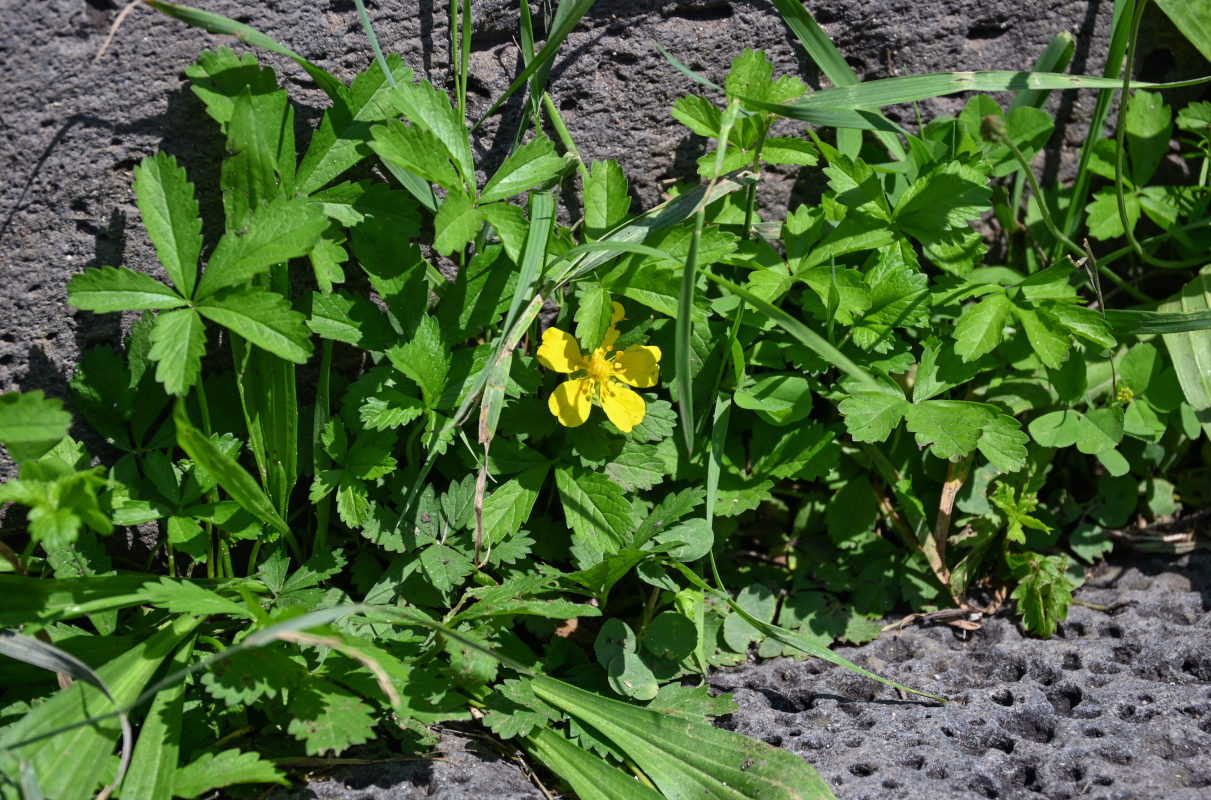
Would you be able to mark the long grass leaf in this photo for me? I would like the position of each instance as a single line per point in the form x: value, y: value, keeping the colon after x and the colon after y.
x: 378, y: 51
x: 1142, y: 323
x: 800, y: 331
x: 217, y: 23
x: 1054, y: 58
x: 1191, y: 351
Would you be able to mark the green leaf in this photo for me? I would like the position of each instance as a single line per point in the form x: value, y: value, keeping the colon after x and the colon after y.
x: 940, y: 204
x: 425, y: 359
x: 353, y: 319
x: 1043, y: 592
x: 234, y: 479
x: 1017, y: 511
x: 262, y: 317
x: 283, y: 229
x: 328, y: 718
x: 186, y: 597
x: 607, y: 203
x: 1100, y: 430
x: 980, y: 327
x: 178, y: 343
x: 119, y: 289
x: 508, y: 508
x: 671, y: 635
x: 1103, y: 215
x: 534, y: 165
x: 30, y: 424
x: 687, y: 759
x: 596, y: 509
x: 690, y: 540
x: 445, y: 567
x: 1149, y: 124
x: 871, y: 416
x: 1084, y: 322
x: 417, y: 150
x: 1191, y: 352
x: 779, y: 399
x: 211, y: 771
x: 759, y: 602
x: 457, y: 223
x: 698, y: 114
x: 511, y: 226
x: 593, y: 317
x: 637, y: 468
x: 430, y: 107
x: 1049, y: 344
x: 153, y: 766
x: 1057, y: 429
x: 69, y: 764
x: 170, y: 214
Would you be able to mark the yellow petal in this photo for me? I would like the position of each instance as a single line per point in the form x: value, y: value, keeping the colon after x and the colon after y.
x: 571, y: 403
x: 612, y: 334
x: 638, y: 365
x: 624, y: 407
x: 559, y: 351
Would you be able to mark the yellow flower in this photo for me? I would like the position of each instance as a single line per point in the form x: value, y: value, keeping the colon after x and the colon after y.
x: 601, y: 375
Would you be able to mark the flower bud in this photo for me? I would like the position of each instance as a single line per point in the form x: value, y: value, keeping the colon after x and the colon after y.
x: 992, y: 128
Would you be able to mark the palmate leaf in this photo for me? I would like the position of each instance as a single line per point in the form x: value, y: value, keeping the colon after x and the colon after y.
x: 285, y: 228
x: 170, y: 214
x: 262, y: 317
x: 119, y: 289
x: 328, y: 718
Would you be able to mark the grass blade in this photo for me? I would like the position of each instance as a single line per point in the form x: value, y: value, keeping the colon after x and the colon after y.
x: 1055, y: 58
x: 217, y: 23
x: 1191, y: 351
x: 1142, y: 323
x: 800, y: 331
x: 378, y: 51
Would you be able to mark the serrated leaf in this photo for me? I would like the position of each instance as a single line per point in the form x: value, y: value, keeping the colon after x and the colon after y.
x: 425, y: 105
x: 30, y: 424
x: 508, y: 507
x: 186, y: 597
x: 606, y: 200
x: 353, y: 319
x: 1149, y: 124
x: 417, y: 150
x: 170, y: 215
x: 1102, y: 214
x: 211, y: 771
x: 328, y: 718
x: 980, y: 327
x: 511, y: 226
x: 534, y: 165
x: 1050, y: 345
x: 871, y: 416
x: 596, y: 509
x: 178, y: 343
x: 1084, y: 322
x: 456, y: 224
x: 119, y: 289
x: 637, y: 468
x: 445, y: 567
x: 698, y: 114
x: 947, y: 197
x: 263, y: 318
x: 283, y: 229
x: 593, y: 317
x: 425, y: 359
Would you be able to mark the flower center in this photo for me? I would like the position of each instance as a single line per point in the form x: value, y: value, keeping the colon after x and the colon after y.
x: 599, y: 367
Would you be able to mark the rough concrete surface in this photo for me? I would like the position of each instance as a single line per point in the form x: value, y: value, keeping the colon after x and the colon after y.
x: 1118, y: 706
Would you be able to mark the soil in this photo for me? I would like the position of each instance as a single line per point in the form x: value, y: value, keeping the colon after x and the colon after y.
x: 1117, y: 706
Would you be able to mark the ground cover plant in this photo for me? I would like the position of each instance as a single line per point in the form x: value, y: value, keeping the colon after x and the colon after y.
x: 378, y: 500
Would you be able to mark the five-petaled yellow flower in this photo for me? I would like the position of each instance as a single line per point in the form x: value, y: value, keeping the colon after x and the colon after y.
x: 601, y: 375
